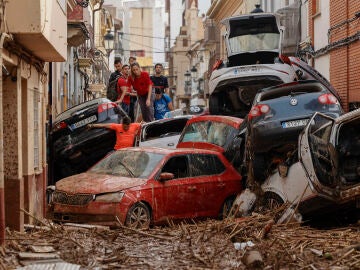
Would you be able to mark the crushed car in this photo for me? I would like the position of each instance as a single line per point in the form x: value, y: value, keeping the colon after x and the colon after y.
x: 138, y: 187
x: 73, y: 147
x: 277, y: 117
x: 325, y: 179
x: 254, y: 61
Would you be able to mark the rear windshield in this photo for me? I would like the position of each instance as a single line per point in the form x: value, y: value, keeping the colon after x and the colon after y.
x: 209, y: 132
x: 292, y: 90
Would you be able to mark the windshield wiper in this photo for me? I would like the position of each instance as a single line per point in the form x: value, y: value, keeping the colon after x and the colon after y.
x: 127, y: 169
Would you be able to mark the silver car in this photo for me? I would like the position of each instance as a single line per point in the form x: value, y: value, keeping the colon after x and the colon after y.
x: 162, y: 133
x: 326, y: 178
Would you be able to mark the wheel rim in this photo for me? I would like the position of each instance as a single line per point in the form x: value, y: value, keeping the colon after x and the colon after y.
x: 139, y: 217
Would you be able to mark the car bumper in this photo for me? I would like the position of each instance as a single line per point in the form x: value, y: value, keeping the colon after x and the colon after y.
x: 96, y: 213
x: 271, y: 135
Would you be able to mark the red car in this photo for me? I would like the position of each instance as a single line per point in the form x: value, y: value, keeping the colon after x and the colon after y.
x: 143, y: 186
x: 220, y: 133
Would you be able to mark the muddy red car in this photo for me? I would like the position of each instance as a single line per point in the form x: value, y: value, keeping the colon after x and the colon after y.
x: 143, y: 186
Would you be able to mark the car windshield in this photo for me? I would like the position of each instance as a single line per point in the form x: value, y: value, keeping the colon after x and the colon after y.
x: 208, y: 131
x: 129, y: 163
x: 257, y: 42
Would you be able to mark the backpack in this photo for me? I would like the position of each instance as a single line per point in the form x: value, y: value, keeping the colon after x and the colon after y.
x: 111, y: 90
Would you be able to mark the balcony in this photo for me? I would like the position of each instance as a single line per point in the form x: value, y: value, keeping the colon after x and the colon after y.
x: 40, y: 27
x: 78, y: 31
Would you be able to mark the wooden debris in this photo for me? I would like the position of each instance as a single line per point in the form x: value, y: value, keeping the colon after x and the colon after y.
x: 41, y: 249
x: 189, y: 245
x: 37, y: 256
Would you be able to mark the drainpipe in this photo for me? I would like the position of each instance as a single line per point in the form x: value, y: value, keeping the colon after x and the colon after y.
x: 2, y: 180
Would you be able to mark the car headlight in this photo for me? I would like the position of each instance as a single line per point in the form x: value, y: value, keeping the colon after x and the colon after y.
x: 109, y: 197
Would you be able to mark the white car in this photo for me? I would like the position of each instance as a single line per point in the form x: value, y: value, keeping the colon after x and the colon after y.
x: 162, y: 133
x: 326, y: 176
x: 255, y: 61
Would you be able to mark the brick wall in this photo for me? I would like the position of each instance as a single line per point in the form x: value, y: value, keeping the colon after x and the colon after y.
x: 345, y: 61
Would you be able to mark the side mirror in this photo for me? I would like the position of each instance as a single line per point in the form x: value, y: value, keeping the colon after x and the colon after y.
x: 166, y: 176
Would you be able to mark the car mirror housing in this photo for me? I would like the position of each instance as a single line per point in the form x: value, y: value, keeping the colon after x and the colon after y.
x: 166, y: 176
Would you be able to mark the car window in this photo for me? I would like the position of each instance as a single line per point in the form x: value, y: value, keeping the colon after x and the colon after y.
x: 258, y: 42
x: 139, y: 164
x: 202, y: 164
x: 163, y: 129
x: 319, y: 136
x: 208, y: 131
x: 290, y: 90
x: 179, y: 166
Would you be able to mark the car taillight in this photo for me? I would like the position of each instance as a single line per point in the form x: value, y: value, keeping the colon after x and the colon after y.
x: 106, y: 106
x: 59, y: 126
x: 327, y: 99
x: 285, y: 59
x: 258, y: 110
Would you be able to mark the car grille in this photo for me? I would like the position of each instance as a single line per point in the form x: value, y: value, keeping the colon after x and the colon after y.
x: 76, y: 199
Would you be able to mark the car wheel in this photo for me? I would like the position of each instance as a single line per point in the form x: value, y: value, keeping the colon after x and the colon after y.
x: 226, y: 208
x: 138, y: 216
x: 272, y: 201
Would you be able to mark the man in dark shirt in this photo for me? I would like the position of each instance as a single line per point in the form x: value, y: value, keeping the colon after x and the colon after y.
x: 160, y: 81
x: 117, y: 72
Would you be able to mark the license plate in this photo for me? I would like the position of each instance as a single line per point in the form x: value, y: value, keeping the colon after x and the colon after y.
x: 295, y: 123
x: 247, y: 69
x: 84, y: 122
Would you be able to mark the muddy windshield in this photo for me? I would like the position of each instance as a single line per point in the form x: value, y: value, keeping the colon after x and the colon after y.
x: 209, y: 132
x: 256, y: 42
x: 128, y: 163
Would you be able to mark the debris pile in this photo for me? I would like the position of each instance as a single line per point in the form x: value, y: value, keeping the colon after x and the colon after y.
x: 254, y: 242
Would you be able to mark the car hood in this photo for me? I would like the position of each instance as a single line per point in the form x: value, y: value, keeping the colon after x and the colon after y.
x: 96, y: 183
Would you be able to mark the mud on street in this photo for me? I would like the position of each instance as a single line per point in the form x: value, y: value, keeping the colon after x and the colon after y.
x: 254, y: 242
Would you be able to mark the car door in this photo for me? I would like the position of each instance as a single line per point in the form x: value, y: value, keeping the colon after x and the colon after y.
x: 212, y: 184
x: 330, y: 153
x: 179, y: 193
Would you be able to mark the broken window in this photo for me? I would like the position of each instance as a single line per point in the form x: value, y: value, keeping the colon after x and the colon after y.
x: 163, y: 129
x: 319, y: 137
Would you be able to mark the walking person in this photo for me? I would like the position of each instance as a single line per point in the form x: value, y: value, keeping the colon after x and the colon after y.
x: 140, y: 81
x: 160, y: 81
x: 162, y: 104
x: 125, y: 132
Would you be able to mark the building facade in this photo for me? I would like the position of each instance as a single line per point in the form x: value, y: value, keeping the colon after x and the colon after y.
x: 24, y: 79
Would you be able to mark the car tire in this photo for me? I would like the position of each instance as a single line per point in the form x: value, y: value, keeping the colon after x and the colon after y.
x: 138, y: 216
x: 272, y: 201
x: 226, y: 209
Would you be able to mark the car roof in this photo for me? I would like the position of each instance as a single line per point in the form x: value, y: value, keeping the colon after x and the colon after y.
x: 230, y: 120
x: 168, y: 119
x: 296, y: 83
x: 167, y: 151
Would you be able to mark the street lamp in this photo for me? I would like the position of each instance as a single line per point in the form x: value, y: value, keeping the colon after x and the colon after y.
x: 109, y: 43
x: 193, y: 73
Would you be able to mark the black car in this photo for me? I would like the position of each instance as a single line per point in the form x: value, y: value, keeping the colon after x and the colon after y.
x: 73, y: 147
x: 277, y: 117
